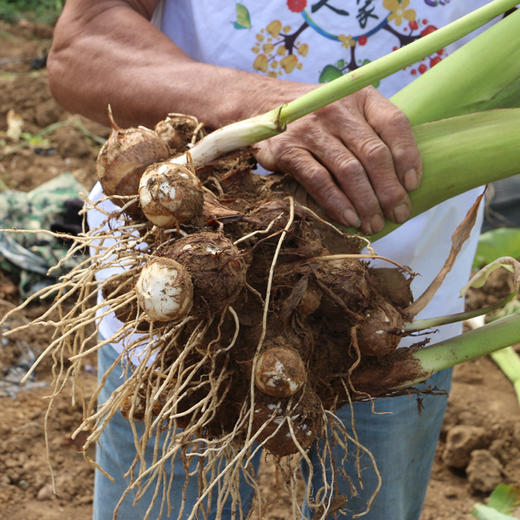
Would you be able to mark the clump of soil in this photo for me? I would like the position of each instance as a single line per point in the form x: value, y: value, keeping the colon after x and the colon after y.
x: 68, y: 143
x: 26, y: 489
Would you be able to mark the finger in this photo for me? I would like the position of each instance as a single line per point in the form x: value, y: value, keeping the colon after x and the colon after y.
x: 377, y: 161
x: 317, y: 181
x: 395, y: 130
x: 350, y: 175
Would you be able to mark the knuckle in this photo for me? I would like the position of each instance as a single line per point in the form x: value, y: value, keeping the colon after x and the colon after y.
x: 289, y: 159
x: 402, y: 154
x: 406, y: 156
x: 374, y: 151
x: 314, y: 179
x: 312, y: 134
x: 399, y: 119
x: 349, y: 165
x: 333, y: 115
x: 351, y: 176
x: 346, y: 166
x: 392, y: 196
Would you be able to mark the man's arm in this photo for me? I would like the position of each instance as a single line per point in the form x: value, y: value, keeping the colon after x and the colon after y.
x: 357, y: 157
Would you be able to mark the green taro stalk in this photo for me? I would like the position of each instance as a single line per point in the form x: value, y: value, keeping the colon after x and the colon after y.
x: 470, y: 345
x: 461, y: 153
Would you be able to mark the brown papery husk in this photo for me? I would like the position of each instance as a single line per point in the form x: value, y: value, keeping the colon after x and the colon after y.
x: 393, y: 284
x: 345, y: 290
x: 310, y: 300
x: 178, y: 131
x: 233, y: 175
x: 329, y: 365
x: 274, y: 213
x: 376, y: 376
x: 122, y: 160
x: 299, y: 246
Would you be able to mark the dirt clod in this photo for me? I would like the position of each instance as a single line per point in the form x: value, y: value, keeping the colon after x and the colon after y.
x: 460, y: 442
x: 484, y: 471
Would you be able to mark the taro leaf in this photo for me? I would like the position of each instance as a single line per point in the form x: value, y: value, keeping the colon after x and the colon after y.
x: 504, y: 498
x: 479, y: 279
x: 502, y: 502
x: 243, y: 20
x: 496, y: 243
x: 329, y: 73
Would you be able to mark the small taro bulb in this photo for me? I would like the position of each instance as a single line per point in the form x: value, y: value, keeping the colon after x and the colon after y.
x: 164, y: 290
x: 124, y: 156
x: 177, y: 131
x: 380, y: 333
x: 280, y: 372
x: 217, y: 267
x: 170, y: 194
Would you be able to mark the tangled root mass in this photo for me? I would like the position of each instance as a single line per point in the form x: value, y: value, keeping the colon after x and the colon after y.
x: 263, y: 353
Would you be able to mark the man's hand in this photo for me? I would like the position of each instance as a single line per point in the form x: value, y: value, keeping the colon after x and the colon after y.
x: 357, y: 158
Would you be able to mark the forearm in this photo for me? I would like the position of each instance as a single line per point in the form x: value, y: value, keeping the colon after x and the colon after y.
x: 111, y: 54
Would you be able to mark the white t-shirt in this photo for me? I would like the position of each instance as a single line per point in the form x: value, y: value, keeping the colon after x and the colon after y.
x: 317, y: 41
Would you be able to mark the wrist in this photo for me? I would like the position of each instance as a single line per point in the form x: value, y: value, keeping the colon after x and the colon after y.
x: 247, y: 94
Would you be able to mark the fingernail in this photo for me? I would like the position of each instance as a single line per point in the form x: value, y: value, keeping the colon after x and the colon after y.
x: 401, y: 213
x: 350, y: 218
x: 411, y: 180
x: 365, y: 228
x: 377, y: 223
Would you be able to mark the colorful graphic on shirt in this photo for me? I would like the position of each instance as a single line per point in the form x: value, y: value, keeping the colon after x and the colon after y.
x: 281, y: 47
x: 243, y: 19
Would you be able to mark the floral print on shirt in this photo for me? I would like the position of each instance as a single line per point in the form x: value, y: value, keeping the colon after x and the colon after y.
x: 280, y: 47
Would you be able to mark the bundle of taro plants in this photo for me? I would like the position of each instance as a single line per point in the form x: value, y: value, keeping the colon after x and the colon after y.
x: 246, y: 318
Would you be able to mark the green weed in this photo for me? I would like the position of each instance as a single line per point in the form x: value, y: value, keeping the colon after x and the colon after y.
x: 43, y: 11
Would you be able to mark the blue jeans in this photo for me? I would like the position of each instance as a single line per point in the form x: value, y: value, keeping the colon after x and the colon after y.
x: 402, y: 442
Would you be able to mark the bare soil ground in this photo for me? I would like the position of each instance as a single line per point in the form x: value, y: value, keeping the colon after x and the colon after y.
x: 482, y: 424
